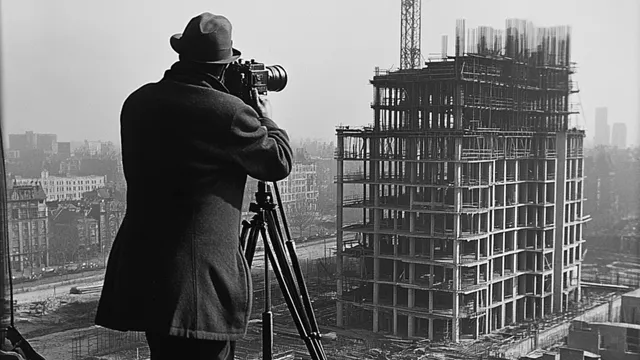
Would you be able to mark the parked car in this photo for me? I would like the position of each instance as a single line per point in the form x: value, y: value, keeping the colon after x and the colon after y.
x: 72, y: 268
x: 49, y: 271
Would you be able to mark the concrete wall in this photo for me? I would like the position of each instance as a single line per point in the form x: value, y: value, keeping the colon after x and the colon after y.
x: 608, y: 312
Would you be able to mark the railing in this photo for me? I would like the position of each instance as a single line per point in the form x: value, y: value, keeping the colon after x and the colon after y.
x: 620, y: 279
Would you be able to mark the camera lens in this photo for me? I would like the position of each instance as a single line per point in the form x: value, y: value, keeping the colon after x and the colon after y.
x: 277, y: 78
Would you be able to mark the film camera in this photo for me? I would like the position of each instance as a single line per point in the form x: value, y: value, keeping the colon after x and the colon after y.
x: 242, y: 77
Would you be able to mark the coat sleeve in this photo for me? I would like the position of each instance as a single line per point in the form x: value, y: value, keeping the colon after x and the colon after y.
x: 260, y: 146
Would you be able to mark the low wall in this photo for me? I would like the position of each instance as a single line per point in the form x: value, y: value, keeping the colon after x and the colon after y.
x: 607, y: 312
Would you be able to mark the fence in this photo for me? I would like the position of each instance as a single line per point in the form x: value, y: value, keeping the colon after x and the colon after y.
x: 613, y: 278
x: 101, y: 341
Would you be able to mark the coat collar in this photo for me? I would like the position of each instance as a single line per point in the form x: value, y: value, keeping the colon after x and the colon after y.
x: 188, y: 73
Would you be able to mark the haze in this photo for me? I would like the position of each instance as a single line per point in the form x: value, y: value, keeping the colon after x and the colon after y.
x: 69, y: 64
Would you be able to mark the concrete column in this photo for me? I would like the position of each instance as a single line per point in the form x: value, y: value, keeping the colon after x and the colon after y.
x: 558, y: 266
x: 376, y: 314
x: 455, y: 328
x: 430, y: 329
x: 339, y: 233
x: 579, y: 288
x: 395, y: 320
x: 410, y: 326
x: 411, y: 319
x: 431, y: 248
x: 476, y: 331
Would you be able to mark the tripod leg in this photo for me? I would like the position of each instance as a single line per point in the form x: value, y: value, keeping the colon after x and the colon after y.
x: 267, y: 315
x: 271, y: 218
x: 295, y: 264
x: 293, y: 256
x: 252, y: 240
x: 290, y: 299
x: 243, y: 234
x: 280, y: 256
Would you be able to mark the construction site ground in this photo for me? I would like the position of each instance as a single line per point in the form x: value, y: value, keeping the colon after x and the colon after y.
x: 69, y: 316
x: 50, y: 318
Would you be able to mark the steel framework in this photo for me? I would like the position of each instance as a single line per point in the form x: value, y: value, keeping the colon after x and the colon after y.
x: 410, y: 34
x: 460, y: 209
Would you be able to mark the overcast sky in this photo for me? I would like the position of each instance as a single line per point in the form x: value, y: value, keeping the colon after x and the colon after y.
x: 69, y: 64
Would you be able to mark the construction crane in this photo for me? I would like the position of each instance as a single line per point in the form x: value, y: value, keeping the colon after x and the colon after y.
x: 410, y: 21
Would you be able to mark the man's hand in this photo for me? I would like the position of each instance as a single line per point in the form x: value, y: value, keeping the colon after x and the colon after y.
x: 261, y: 104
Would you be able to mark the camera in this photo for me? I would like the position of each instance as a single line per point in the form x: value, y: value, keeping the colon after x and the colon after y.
x: 242, y: 77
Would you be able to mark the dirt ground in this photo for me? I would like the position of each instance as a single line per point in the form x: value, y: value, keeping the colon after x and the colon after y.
x: 66, y: 316
x: 51, y: 332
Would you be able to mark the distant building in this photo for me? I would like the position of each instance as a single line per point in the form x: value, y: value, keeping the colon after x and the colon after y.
x: 95, y: 148
x: 74, y: 235
x: 298, y: 191
x: 70, y: 166
x: 300, y: 188
x: 31, y: 141
x: 24, y: 141
x: 108, y: 207
x: 326, y: 169
x: 64, y: 188
x: 64, y: 150
x: 619, y: 135
x: 12, y: 154
x: 602, y: 127
x: 47, y: 143
x: 28, y: 227
x: 85, y: 166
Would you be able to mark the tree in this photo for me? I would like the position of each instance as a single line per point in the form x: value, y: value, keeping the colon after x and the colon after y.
x: 64, y: 242
x: 301, y: 217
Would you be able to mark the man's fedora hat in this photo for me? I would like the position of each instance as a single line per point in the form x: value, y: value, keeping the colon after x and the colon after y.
x: 206, y: 39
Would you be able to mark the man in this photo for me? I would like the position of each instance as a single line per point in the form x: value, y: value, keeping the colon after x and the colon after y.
x: 176, y: 269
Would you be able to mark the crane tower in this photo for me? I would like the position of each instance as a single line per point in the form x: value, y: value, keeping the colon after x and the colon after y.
x: 410, y: 20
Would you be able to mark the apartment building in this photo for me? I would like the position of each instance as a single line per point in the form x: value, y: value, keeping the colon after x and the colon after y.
x: 28, y: 228
x: 59, y: 188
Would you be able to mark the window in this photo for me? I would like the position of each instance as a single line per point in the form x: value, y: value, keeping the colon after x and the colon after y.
x: 633, y: 340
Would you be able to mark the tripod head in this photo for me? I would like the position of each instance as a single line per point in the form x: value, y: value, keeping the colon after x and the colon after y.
x: 264, y: 199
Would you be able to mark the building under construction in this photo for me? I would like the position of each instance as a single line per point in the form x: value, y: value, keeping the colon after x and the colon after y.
x: 470, y: 185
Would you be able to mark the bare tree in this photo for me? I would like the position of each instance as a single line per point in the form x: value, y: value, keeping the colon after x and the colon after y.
x: 301, y: 217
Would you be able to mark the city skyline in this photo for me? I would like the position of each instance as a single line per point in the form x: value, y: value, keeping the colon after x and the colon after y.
x: 89, y: 47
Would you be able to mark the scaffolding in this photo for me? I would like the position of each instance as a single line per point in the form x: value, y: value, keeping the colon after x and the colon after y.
x: 469, y: 184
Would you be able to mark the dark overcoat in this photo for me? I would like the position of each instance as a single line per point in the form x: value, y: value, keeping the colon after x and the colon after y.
x: 176, y: 266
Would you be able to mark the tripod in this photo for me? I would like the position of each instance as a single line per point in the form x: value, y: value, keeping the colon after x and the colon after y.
x: 294, y: 290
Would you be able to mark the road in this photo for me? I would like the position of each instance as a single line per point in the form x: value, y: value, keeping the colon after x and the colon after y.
x: 55, y: 289
x: 308, y: 250
x: 313, y: 249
